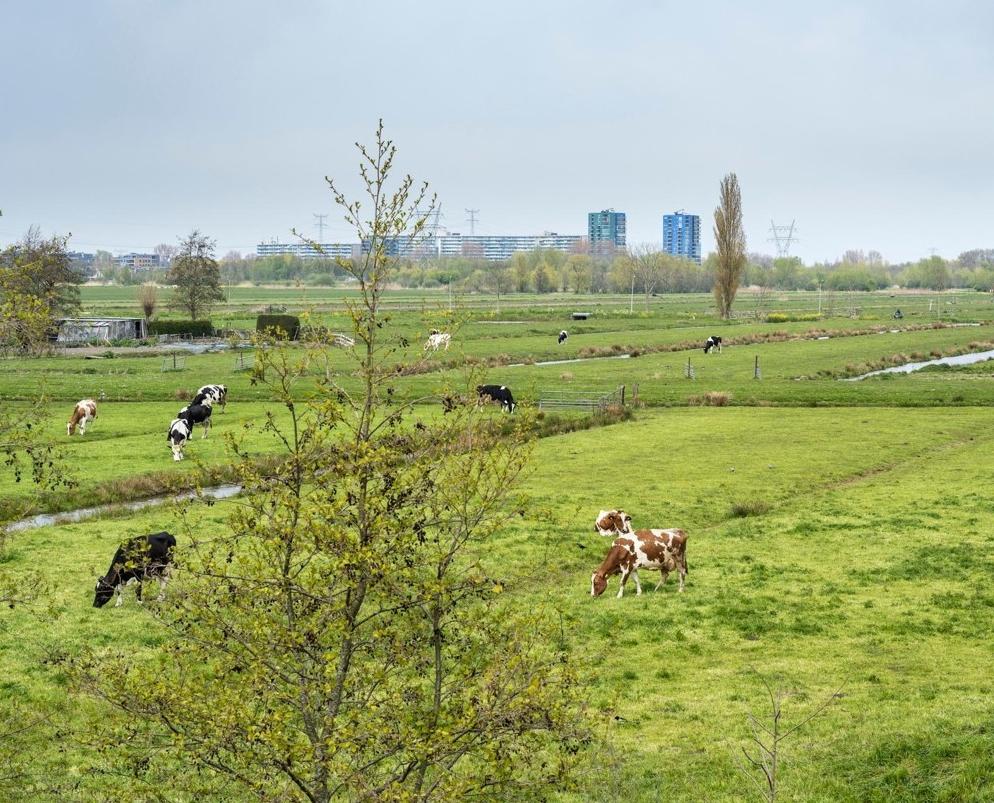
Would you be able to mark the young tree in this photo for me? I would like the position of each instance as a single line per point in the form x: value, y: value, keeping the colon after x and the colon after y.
x: 165, y: 253
x: 104, y: 264
x: 730, y: 243
x: 646, y: 266
x: 41, y: 269
x: 196, y: 276
x: 148, y: 300
x: 345, y: 640
x: 580, y: 272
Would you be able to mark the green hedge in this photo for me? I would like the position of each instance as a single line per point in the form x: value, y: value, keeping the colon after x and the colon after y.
x: 285, y: 325
x: 195, y: 328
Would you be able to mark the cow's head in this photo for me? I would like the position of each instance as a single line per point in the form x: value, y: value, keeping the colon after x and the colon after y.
x: 598, y: 582
x: 104, y: 591
x: 613, y: 522
x: 70, y: 427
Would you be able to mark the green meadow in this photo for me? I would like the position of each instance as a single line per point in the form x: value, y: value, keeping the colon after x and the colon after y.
x: 841, y: 537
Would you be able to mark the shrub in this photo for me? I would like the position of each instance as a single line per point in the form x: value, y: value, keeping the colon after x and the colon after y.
x: 713, y: 398
x: 566, y: 376
x: 284, y: 326
x: 194, y: 328
x: 783, y: 317
x: 753, y: 507
x: 181, y: 394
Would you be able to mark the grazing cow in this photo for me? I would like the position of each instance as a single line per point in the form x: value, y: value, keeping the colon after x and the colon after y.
x: 142, y: 557
x: 218, y: 394
x: 83, y: 413
x: 501, y: 394
x: 665, y: 550
x: 177, y: 436
x: 563, y: 335
x: 713, y: 342
x: 898, y: 314
x: 613, y: 522
x: 437, y: 339
x: 197, y: 414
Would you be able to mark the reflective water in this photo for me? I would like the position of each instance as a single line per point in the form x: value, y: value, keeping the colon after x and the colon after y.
x: 564, y: 362
x: 908, y: 367
x: 72, y: 516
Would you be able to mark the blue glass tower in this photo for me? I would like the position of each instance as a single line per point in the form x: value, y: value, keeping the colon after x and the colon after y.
x: 682, y: 235
x: 606, y: 230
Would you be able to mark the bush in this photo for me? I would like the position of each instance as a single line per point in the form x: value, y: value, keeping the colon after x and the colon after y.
x: 783, y: 317
x: 713, y: 398
x: 754, y: 507
x: 195, y: 328
x: 285, y: 326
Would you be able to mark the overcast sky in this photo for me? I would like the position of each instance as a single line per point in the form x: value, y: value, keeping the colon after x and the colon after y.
x: 128, y: 123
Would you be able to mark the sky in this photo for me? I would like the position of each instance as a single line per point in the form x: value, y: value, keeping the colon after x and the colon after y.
x: 870, y: 124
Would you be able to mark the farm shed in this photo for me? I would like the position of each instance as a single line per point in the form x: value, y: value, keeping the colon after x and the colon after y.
x: 81, y: 330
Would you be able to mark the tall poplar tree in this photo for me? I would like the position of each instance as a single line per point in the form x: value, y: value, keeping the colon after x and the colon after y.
x: 730, y: 243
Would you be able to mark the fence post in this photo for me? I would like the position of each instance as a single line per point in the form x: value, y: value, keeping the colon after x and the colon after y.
x: 755, y: 372
x: 689, y: 370
x: 622, y: 395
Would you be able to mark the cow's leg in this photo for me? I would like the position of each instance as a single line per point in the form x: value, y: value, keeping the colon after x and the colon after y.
x: 82, y: 426
x: 207, y: 426
x: 663, y: 574
x: 138, y: 592
x: 163, y: 582
x: 624, y: 579
x: 118, y: 590
x: 683, y: 571
x: 638, y: 585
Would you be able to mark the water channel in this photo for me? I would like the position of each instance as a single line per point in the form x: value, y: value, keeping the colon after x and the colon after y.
x: 73, y: 516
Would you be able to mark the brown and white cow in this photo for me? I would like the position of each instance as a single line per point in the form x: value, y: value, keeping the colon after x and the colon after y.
x: 83, y: 413
x: 665, y: 550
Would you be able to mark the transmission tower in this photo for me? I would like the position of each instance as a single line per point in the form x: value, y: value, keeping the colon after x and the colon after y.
x: 320, y: 225
x: 433, y: 221
x: 471, y: 220
x: 783, y: 237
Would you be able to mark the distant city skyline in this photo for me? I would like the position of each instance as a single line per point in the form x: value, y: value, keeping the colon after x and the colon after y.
x: 868, y: 122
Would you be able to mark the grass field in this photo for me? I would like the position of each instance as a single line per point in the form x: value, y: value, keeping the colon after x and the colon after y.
x: 840, y: 540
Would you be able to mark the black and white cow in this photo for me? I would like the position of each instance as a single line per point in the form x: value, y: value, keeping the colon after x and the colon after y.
x: 142, y: 557
x: 177, y: 436
x: 197, y: 414
x: 563, y: 335
x: 713, y: 342
x: 501, y: 394
x: 218, y: 394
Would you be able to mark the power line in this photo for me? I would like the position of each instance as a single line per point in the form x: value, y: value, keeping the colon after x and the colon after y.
x: 783, y: 236
x: 320, y: 225
x: 472, y: 219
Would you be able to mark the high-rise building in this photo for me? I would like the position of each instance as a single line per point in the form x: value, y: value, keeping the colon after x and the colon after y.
x: 682, y: 235
x: 606, y: 230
